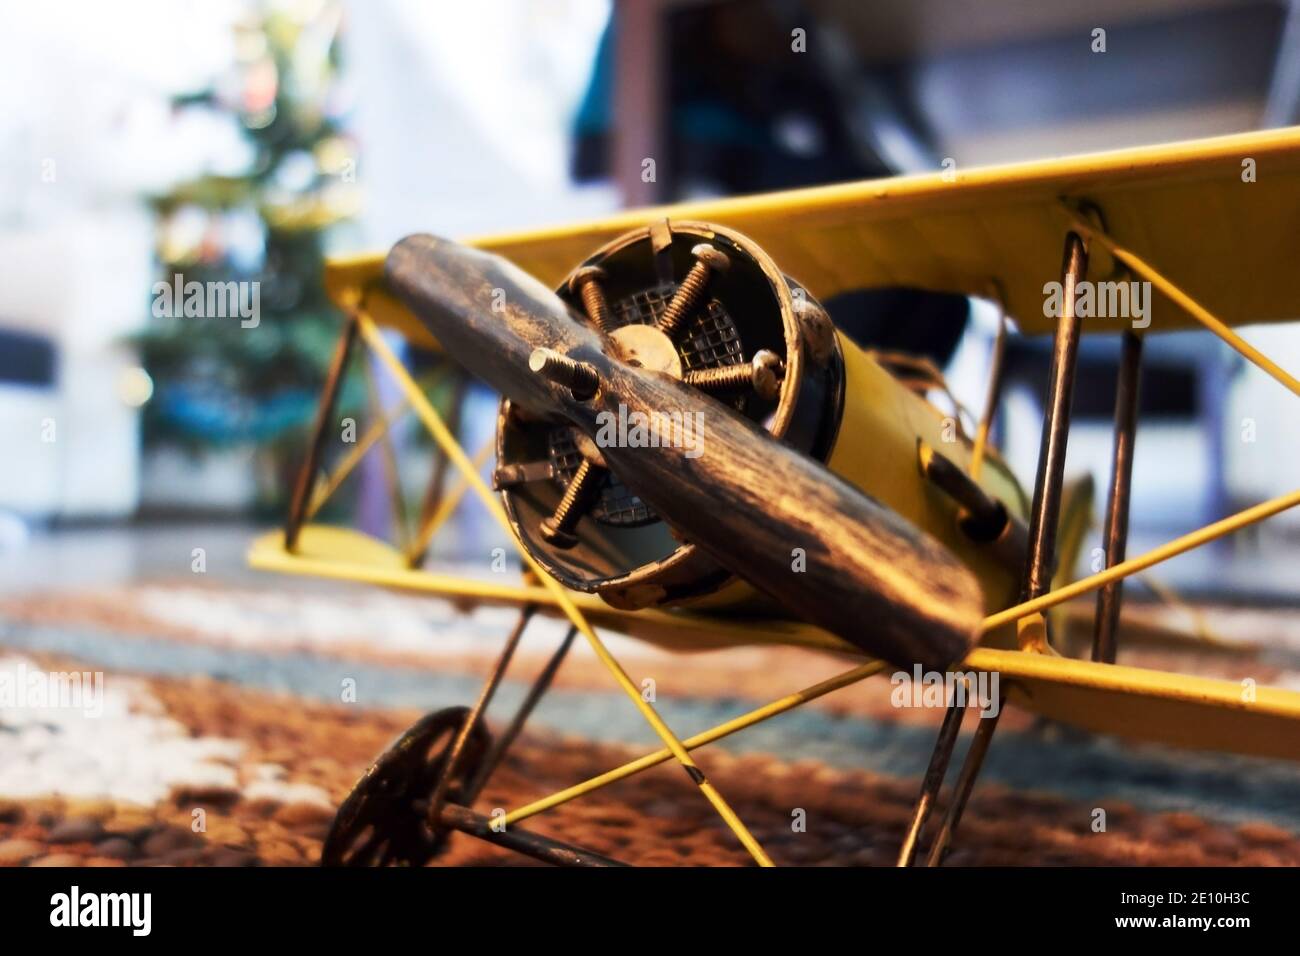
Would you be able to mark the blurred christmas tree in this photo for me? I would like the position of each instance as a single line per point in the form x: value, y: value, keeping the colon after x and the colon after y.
x: 221, y: 382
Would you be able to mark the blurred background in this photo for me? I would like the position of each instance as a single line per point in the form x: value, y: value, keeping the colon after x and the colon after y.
x: 244, y: 141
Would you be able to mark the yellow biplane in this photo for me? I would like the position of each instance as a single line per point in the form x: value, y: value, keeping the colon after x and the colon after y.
x: 689, y: 452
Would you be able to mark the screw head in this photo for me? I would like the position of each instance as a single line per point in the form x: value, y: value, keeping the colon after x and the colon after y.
x: 584, y: 275
x: 539, y: 358
x: 768, y: 372
x: 556, y: 536
x: 578, y: 377
x: 645, y: 346
x: 711, y: 256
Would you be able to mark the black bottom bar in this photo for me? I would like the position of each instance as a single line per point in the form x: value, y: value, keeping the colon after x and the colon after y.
x: 485, y: 906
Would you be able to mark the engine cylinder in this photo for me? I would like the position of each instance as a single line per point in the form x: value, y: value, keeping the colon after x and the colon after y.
x: 834, y: 402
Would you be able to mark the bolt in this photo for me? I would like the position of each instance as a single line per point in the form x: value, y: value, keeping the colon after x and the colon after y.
x: 586, y: 282
x: 708, y: 260
x: 763, y: 375
x: 558, y: 528
x: 579, y: 377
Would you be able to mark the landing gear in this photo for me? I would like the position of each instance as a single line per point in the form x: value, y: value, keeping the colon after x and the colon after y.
x: 385, y: 820
x: 1040, y: 562
x: 402, y: 812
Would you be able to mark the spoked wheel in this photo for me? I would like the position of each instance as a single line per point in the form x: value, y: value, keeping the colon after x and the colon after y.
x: 383, y: 821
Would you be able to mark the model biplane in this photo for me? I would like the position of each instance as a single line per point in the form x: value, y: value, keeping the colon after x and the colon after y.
x: 826, y: 502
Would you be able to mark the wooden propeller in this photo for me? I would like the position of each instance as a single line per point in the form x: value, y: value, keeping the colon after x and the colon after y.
x: 774, y: 517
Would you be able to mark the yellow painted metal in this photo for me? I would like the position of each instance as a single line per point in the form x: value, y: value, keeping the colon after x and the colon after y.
x: 1175, y: 709
x: 1226, y: 242
x: 1202, y: 634
x: 1144, y: 704
x: 359, y: 279
x: 992, y: 396
x: 1165, y: 707
x: 883, y: 424
x: 1153, y: 557
x: 344, y: 554
x: 1189, y: 305
x: 392, y: 473
x: 877, y: 450
x: 756, y: 716
x: 1072, y: 529
x: 449, y: 503
x: 452, y: 449
x: 1127, y: 701
x: 331, y: 483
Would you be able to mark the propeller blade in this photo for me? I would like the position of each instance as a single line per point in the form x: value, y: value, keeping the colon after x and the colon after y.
x: 488, y: 313
x: 774, y: 517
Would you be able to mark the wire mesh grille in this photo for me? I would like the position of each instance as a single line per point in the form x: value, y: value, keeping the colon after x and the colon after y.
x: 711, y: 340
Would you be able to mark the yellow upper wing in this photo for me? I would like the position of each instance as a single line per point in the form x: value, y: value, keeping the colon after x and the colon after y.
x: 1185, y: 207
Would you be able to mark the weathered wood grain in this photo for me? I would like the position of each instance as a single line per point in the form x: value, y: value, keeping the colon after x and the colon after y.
x: 782, y: 521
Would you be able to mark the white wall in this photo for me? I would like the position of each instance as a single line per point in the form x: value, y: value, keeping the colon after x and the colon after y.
x: 85, y: 133
x: 79, y: 283
x: 463, y: 114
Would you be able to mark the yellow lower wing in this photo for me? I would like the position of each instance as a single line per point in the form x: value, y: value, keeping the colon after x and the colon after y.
x: 1159, y: 706
x: 1132, y: 702
x: 348, y: 555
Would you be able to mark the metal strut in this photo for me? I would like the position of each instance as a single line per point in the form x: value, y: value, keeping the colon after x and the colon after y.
x: 476, y: 714
x: 455, y: 817
x: 932, y: 782
x: 540, y: 686
x: 1040, y: 560
x: 438, y: 430
x: 435, y: 494
x: 1111, y: 595
x: 402, y: 809
x: 329, y: 398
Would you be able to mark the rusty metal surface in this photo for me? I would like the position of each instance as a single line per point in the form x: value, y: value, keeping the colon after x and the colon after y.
x: 1115, y: 532
x: 383, y: 821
